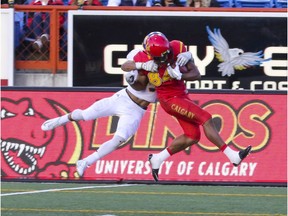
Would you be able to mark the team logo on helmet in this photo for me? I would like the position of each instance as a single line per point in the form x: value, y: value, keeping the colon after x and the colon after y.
x: 149, y: 35
x: 157, y: 46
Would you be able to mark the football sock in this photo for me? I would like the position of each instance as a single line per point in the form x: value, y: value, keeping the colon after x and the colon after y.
x: 104, y: 149
x: 231, y: 154
x: 159, y: 158
x: 92, y: 158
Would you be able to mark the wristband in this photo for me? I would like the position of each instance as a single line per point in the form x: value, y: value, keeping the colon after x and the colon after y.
x: 138, y: 65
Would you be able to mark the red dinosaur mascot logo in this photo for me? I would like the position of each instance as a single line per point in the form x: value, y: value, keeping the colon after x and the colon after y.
x: 29, y: 152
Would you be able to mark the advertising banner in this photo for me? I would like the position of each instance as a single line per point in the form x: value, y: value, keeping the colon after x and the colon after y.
x: 242, y: 119
x: 100, y: 41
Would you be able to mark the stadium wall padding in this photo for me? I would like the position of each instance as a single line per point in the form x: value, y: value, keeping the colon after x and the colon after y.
x: 257, y: 118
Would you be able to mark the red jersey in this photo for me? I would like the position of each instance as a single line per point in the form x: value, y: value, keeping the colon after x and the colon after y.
x: 166, y: 87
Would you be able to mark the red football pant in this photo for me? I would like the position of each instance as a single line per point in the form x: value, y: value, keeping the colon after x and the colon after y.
x: 189, y: 115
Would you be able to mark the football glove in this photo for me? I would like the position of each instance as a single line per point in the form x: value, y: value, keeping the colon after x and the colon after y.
x: 131, y: 77
x: 148, y: 66
x: 174, y: 72
x: 183, y: 58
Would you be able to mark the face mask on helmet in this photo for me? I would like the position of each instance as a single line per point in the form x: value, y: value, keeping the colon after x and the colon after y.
x: 157, y: 46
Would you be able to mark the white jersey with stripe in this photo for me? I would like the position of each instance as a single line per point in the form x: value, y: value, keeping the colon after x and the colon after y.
x: 149, y: 94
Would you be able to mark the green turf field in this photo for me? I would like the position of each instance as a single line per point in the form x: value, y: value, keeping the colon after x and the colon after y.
x: 53, y: 199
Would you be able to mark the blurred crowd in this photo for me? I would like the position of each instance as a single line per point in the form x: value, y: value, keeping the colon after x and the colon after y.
x: 148, y: 3
x: 32, y: 29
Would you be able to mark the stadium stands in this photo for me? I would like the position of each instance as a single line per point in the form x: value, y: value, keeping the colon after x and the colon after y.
x: 226, y: 3
x: 254, y: 3
x: 281, y: 3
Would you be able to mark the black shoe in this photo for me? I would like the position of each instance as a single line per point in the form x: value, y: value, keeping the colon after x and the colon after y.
x: 154, y: 171
x: 243, y: 154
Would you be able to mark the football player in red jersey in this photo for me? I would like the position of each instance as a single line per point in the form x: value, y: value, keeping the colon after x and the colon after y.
x: 167, y: 66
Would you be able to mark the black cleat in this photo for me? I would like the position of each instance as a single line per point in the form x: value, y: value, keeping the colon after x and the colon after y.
x: 154, y: 171
x: 243, y: 154
x: 155, y: 174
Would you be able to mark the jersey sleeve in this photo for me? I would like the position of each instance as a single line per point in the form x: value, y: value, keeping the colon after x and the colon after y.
x: 132, y: 53
x: 141, y: 57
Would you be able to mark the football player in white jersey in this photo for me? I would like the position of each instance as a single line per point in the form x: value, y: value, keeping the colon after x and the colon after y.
x: 129, y: 104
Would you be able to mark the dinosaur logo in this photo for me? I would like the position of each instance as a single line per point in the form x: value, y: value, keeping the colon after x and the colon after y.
x: 29, y: 152
x: 232, y: 58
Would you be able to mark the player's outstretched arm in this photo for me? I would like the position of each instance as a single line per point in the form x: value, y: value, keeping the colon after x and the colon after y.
x: 128, y: 66
x: 147, y: 66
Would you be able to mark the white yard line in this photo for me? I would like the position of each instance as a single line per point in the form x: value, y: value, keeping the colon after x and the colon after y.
x: 64, y: 189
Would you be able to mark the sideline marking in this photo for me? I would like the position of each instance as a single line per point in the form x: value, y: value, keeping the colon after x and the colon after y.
x: 63, y: 189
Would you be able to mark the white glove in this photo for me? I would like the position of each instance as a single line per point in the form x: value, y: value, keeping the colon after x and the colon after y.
x: 131, y: 76
x: 183, y: 58
x: 174, y: 72
x: 148, y: 66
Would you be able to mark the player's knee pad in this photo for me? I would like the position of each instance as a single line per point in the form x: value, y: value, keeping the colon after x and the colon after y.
x: 76, y: 115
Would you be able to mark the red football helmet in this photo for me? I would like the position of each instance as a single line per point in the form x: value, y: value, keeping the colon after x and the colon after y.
x: 157, y: 46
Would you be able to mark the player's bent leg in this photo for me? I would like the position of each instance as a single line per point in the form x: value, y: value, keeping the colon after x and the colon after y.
x: 50, y: 124
x: 213, y: 135
x: 109, y: 146
x: 179, y: 143
x: 105, y: 149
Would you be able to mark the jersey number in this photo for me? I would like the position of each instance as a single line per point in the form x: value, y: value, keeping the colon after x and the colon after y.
x: 156, y: 80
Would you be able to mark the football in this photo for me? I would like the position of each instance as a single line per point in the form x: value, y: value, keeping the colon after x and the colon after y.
x: 183, y: 69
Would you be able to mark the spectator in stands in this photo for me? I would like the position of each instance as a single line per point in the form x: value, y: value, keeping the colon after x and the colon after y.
x: 169, y: 3
x: 185, y: 3
x: 129, y: 3
x: 202, y: 3
x: 198, y: 3
x: 20, y: 2
x: 86, y: 2
x: 39, y: 24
